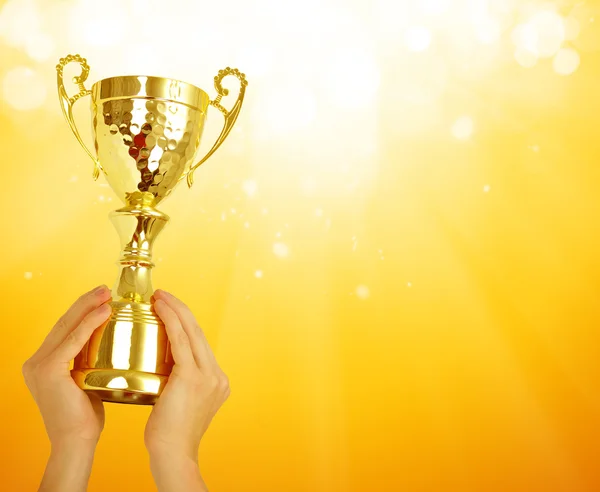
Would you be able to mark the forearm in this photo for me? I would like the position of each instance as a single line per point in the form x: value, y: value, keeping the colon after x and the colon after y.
x: 68, y: 468
x: 176, y: 473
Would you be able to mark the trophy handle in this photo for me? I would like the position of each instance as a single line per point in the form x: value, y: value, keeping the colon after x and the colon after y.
x: 230, y: 115
x: 66, y: 102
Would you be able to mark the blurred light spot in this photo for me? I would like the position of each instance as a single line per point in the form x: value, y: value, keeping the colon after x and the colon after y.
x: 588, y: 37
x: 265, y: 211
x: 73, y: 179
x: 102, y: 27
x: 409, y: 284
x: 525, y: 57
x: 462, y: 128
x: 352, y: 80
x: 566, y: 61
x: 249, y: 186
x: 308, y: 186
x: 572, y: 28
x: 319, y: 212
x: 39, y: 46
x: 278, y: 234
x: 258, y: 273
x: 247, y: 225
x: 101, y: 198
x: 433, y: 7
x: 19, y: 20
x: 362, y: 292
x: 543, y: 35
x: 281, y: 250
x: 28, y: 275
x: 417, y: 38
x: 487, y: 30
x: 486, y: 188
x: 300, y: 110
x: 255, y: 59
x: 24, y: 89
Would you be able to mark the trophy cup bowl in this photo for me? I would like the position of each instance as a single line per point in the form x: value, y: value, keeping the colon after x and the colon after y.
x: 146, y: 131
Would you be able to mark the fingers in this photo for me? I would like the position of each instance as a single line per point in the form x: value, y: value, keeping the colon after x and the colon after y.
x: 180, y: 343
x: 71, y: 319
x: 77, y: 338
x: 200, y: 347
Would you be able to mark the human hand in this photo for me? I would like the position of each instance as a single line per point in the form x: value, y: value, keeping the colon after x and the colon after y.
x: 196, y: 389
x: 73, y: 419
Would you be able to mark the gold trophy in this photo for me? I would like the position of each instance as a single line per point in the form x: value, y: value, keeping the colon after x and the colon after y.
x: 146, y: 133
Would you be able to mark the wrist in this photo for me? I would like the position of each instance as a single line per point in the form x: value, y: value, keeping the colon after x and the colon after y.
x: 175, y: 471
x: 69, y: 466
x: 73, y: 447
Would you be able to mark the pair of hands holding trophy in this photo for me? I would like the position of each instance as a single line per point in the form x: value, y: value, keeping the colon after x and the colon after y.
x: 196, y: 389
x: 146, y: 133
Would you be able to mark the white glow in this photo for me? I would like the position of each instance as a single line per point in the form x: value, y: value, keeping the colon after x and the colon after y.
x: 352, y: 79
x: 24, y: 89
x: 249, y: 186
x: 417, y: 38
x: 256, y: 59
x: 281, y: 250
x: 543, y: 35
x: 285, y: 110
x: 462, y: 128
x: 433, y: 7
x: 40, y: 46
x: 28, y: 275
x: 258, y: 273
x: 566, y: 61
x: 19, y: 20
x: 526, y: 57
x: 308, y: 185
x: 100, y: 26
x: 486, y: 188
x: 362, y: 292
x: 572, y: 28
x: 487, y: 30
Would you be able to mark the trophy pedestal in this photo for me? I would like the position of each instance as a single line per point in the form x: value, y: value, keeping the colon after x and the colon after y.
x: 139, y: 387
x: 128, y: 358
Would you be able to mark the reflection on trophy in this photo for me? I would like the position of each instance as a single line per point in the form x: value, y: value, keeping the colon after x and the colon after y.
x: 146, y: 133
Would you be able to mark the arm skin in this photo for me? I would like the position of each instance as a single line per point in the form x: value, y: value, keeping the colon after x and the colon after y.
x: 73, y: 419
x: 196, y: 390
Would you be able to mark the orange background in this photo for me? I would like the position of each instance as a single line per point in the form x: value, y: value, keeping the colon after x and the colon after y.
x: 417, y: 183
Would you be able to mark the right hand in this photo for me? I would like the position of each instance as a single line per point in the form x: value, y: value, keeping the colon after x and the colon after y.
x: 196, y: 389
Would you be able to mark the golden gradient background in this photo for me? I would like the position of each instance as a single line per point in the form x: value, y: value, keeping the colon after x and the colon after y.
x: 395, y: 255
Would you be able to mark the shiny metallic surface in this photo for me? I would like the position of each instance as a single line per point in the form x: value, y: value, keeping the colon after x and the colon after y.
x: 147, y: 131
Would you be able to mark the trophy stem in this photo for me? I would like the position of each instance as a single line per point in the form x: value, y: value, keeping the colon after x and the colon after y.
x: 127, y: 359
x: 138, y: 227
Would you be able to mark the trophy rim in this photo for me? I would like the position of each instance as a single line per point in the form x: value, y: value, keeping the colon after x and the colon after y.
x: 189, y: 94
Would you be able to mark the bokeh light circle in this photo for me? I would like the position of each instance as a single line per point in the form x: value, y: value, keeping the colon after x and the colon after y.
x: 23, y: 89
x: 566, y: 61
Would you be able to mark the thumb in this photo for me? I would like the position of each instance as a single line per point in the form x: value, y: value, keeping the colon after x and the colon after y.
x: 78, y: 337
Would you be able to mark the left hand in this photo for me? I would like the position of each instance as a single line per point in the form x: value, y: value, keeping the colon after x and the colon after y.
x: 73, y: 419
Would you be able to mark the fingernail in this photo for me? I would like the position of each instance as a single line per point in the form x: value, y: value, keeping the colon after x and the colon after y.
x: 100, y: 289
x: 161, y: 292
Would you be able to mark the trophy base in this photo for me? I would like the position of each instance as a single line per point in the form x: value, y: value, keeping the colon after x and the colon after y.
x: 121, y: 386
